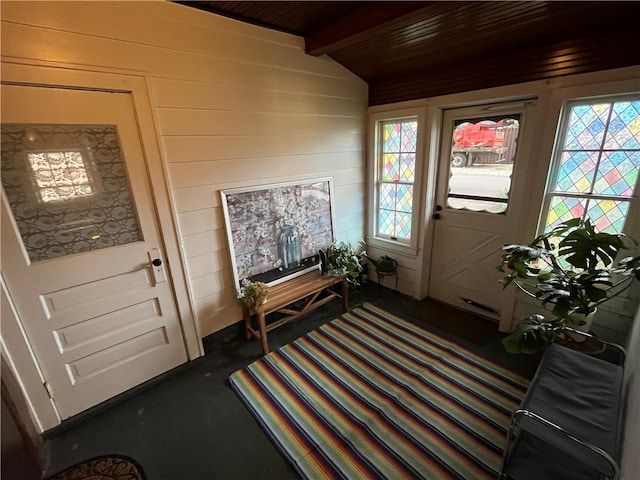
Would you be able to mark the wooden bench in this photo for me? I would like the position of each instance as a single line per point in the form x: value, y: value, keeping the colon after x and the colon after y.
x: 570, y: 423
x: 281, y: 296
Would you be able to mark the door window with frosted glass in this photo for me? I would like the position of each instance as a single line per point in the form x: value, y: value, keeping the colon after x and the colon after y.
x: 67, y: 187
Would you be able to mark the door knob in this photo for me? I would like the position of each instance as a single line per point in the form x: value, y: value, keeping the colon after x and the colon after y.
x: 157, y: 268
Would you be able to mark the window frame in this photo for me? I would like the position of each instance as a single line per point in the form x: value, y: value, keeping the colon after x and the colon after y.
x: 381, y: 182
x: 376, y: 120
x: 556, y: 158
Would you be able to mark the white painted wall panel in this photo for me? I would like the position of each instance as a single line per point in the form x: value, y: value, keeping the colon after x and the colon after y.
x: 214, y: 122
x: 235, y: 105
x: 207, y: 263
x: 199, y: 94
x: 205, y: 242
x: 347, y: 187
x: 200, y: 221
x: 192, y: 198
x: 189, y: 148
x: 261, y: 170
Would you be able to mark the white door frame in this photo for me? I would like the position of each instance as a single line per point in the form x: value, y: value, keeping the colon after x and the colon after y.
x: 507, y: 223
x: 16, y: 351
x: 518, y: 206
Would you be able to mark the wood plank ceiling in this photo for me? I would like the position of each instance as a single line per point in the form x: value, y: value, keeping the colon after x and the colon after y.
x: 410, y: 50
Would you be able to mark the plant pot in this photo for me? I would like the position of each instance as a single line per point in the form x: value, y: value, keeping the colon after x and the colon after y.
x: 582, y: 322
x: 588, y: 346
x: 323, y: 262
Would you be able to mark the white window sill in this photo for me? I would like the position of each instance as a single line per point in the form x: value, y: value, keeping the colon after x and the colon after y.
x: 392, y: 246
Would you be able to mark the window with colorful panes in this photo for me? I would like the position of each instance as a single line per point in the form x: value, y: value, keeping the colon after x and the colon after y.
x: 396, y: 166
x: 596, y: 163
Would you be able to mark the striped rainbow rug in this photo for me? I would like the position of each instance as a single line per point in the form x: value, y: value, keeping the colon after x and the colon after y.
x: 370, y: 395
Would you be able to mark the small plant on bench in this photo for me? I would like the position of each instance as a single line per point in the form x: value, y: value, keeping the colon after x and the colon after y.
x: 341, y: 259
x: 252, y: 294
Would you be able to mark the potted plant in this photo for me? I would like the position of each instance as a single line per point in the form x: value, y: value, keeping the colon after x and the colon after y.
x: 341, y: 259
x: 571, y: 270
x: 252, y: 294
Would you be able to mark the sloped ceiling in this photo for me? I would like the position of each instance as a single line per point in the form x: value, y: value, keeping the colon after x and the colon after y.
x: 410, y: 50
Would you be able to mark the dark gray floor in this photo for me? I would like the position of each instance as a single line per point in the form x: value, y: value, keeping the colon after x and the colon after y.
x: 190, y: 425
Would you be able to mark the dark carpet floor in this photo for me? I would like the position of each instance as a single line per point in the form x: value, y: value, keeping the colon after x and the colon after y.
x: 189, y: 424
x: 460, y: 323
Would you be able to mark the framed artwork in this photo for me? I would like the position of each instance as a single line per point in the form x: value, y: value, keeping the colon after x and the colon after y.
x: 275, y: 231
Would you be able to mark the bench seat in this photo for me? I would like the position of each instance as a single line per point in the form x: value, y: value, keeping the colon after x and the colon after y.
x: 309, y: 287
x: 569, y: 424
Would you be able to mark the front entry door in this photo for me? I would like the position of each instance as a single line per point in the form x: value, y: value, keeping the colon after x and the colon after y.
x: 475, y: 214
x: 82, y: 254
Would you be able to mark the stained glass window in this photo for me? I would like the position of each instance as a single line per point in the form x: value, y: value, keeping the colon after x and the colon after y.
x: 597, y: 164
x: 396, y: 175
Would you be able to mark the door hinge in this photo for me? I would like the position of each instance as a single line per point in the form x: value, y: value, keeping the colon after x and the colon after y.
x: 49, y: 390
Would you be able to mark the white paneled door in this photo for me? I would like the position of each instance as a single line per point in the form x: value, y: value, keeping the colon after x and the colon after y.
x: 479, y: 174
x: 82, y: 253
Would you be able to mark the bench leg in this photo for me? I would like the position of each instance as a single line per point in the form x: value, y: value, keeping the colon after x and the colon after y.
x: 262, y: 325
x: 345, y: 296
x: 247, y: 322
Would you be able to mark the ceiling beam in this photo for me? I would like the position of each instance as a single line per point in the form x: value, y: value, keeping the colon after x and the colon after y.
x: 329, y: 36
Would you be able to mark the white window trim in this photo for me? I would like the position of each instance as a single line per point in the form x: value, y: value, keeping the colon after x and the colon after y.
x: 409, y: 248
x: 543, y: 175
x: 554, y: 163
x: 606, y: 87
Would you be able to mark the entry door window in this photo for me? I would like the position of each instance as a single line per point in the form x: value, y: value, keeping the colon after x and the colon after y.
x: 482, y: 155
x: 68, y: 188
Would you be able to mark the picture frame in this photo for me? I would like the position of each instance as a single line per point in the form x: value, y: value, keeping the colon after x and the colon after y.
x: 275, y: 231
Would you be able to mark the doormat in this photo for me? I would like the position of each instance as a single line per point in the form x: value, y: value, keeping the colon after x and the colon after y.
x: 460, y: 323
x: 105, y: 467
x: 370, y: 395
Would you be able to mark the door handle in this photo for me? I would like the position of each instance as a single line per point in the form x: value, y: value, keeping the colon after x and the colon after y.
x: 436, y: 216
x: 157, y: 268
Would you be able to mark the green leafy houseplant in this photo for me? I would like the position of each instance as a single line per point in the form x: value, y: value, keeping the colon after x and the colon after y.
x: 341, y: 259
x: 252, y: 294
x: 572, y: 277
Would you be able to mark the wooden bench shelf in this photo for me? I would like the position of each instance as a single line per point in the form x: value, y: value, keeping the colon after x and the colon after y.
x: 283, y: 295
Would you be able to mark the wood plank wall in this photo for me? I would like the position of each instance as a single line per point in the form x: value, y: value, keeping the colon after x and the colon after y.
x: 235, y: 105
